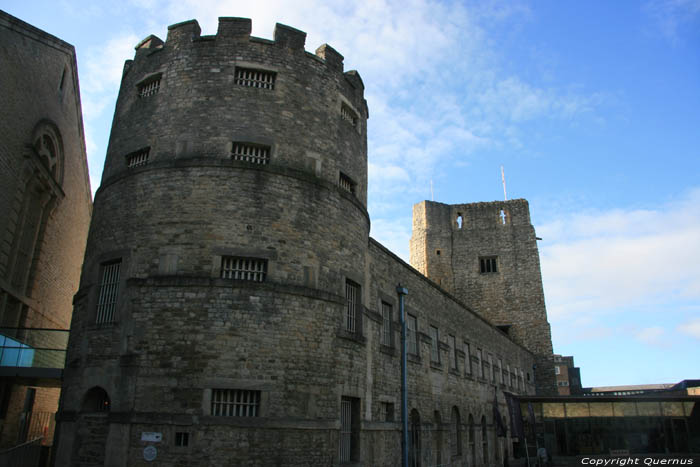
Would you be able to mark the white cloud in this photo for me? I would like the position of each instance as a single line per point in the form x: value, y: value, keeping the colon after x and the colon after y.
x: 393, y: 234
x: 691, y: 328
x: 672, y: 15
x: 615, y: 259
x: 653, y: 335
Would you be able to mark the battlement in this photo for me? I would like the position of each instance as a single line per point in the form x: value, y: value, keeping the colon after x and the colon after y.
x: 181, y: 35
x: 483, y: 215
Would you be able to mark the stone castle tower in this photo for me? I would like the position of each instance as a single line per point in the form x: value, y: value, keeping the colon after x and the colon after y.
x: 232, y: 307
x: 486, y: 255
x: 232, y: 160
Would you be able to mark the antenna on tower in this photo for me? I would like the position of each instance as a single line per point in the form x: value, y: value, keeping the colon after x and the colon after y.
x: 432, y: 195
x: 503, y: 177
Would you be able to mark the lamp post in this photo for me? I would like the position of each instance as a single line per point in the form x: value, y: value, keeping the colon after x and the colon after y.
x: 402, y: 292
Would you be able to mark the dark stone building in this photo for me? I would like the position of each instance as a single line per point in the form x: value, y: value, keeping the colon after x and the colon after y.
x: 233, y: 309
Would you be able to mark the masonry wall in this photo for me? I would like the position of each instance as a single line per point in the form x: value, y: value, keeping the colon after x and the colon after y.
x: 450, y: 245
x: 181, y: 330
x: 45, y: 207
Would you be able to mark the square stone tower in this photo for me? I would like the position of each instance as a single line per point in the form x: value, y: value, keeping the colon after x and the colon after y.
x: 485, y: 254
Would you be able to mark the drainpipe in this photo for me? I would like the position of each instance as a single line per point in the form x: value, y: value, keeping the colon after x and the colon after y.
x: 403, y: 291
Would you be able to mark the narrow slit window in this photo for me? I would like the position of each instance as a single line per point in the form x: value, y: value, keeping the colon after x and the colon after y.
x: 459, y: 221
x: 243, y: 269
x: 386, y: 324
x: 138, y: 158
x: 252, y: 78
x: 253, y: 153
x: 352, y: 296
x: 109, y: 290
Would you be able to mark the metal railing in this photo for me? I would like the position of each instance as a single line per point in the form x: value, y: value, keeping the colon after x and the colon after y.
x: 24, y: 455
x: 33, y: 347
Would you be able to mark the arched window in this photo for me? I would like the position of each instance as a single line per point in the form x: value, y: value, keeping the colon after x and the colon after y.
x: 414, y: 451
x: 47, y: 142
x: 484, y: 440
x: 96, y: 400
x: 456, y: 433
x: 472, y: 447
x: 459, y: 220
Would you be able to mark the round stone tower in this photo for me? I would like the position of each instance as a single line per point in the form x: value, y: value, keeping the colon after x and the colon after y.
x: 226, y: 258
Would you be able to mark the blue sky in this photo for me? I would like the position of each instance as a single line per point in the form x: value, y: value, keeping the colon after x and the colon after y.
x: 593, y: 109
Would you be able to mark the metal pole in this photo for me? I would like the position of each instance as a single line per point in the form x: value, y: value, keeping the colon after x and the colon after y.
x: 403, y: 291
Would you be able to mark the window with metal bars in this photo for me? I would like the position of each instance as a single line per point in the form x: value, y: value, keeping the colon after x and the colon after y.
x: 467, y: 359
x: 349, y: 429
x: 348, y: 115
x: 248, y: 152
x: 411, y: 337
x: 243, y: 269
x: 250, y: 77
x: 347, y: 183
x: 487, y: 264
x: 149, y: 88
x: 138, y: 158
x: 386, y: 324
x: 452, y: 342
x: 109, y: 290
x: 434, y: 350
x: 235, y: 403
x: 352, y: 296
x: 182, y: 439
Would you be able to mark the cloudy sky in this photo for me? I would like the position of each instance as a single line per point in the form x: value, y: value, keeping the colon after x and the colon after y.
x: 592, y: 108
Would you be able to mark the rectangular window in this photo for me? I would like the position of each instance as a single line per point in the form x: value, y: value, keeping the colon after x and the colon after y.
x: 480, y: 363
x: 452, y: 342
x: 557, y: 370
x: 386, y: 324
x: 109, y: 289
x: 346, y: 183
x: 253, y: 153
x: 562, y: 383
x: 235, y: 403
x: 493, y: 368
x: 352, y: 296
x: 387, y: 411
x: 182, y: 439
x: 138, y: 158
x: 500, y: 371
x: 411, y: 338
x: 488, y: 264
x: 434, y: 348
x: 348, y: 115
x: 149, y: 88
x: 243, y: 269
x: 349, y: 429
x: 255, y: 78
x: 467, y: 359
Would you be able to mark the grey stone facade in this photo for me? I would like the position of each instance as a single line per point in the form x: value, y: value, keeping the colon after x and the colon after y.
x: 231, y: 152
x: 45, y: 206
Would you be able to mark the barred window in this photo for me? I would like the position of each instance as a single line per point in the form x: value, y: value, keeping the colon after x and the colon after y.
x: 138, y: 158
x: 348, y: 114
x: 434, y: 350
x: 349, y: 429
x: 352, y: 295
x: 487, y: 264
x: 347, y: 183
x: 109, y: 288
x: 149, y: 88
x: 452, y: 342
x: 235, y: 403
x: 386, y: 324
x: 467, y: 359
x: 247, y: 152
x: 411, y: 338
x: 182, y: 438
x: 243, y: 269
x: 480, y: 363
x: 255, y: 78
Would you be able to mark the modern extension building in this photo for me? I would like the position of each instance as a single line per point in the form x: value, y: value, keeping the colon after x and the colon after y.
x: 45, y: 206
